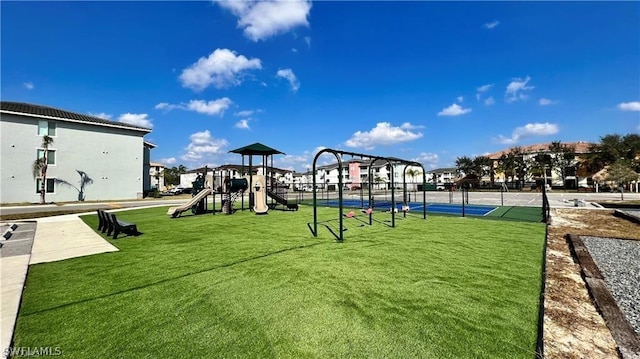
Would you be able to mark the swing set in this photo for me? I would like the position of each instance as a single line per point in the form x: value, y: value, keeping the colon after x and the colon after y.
x: 390, y: 162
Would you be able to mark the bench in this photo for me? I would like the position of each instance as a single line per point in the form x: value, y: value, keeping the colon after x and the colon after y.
x: 109, y: 223
x: 103, y: 222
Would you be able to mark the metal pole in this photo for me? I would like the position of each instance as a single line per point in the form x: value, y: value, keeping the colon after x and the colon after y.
x: 315, y: 204
x: 463, y: 202
x: 502, y: 195
x: 341, y: 210
x: 393, y: 198
x: 424, y: 194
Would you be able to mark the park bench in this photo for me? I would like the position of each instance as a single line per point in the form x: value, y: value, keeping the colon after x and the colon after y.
x: 109, y: 223
x: 103, y: 222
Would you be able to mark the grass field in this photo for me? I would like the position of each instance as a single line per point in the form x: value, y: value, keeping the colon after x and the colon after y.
x: 261, y: 286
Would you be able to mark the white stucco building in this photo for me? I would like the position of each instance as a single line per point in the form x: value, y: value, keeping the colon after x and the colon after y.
x: 156, y: 173
x: 113, y: 155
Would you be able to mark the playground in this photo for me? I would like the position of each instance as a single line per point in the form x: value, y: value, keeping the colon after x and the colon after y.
x: 218, y: 277
x: 244, y: 285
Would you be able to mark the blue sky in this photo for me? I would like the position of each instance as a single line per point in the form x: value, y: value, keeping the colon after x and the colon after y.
x: 426, y: 81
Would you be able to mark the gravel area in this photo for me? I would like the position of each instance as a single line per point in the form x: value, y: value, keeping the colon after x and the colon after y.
x: 619, y: 262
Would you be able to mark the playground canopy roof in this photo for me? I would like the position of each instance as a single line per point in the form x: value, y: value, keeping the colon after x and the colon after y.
x: 257, y: 149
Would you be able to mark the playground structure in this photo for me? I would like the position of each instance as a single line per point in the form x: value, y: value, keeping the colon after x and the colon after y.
x: 264, y: 186
x: 198, y: 202
x: 390, y: 161
x: 260, y: 187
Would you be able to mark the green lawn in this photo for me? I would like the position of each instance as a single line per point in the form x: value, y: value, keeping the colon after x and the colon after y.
x: 261, y: 286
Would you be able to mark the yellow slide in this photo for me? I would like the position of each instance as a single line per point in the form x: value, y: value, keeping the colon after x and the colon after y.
x: 259, y: 199
x: 177, y: 211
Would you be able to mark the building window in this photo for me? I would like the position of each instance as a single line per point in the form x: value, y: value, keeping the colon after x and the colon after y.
x: 49, y: 188
x: 51, y: 156
x: 46, y: 128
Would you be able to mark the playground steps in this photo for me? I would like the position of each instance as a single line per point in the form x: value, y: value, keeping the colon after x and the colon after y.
x: 293, y: 205
x: 228, y: 200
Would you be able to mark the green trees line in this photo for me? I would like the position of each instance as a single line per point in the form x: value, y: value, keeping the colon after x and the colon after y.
x: 620, y: 153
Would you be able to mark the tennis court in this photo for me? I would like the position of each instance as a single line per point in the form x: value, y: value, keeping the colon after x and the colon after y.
x: 442, y: 208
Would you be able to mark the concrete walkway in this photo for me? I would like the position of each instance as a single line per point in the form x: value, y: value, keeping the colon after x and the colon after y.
x: 53, y: 239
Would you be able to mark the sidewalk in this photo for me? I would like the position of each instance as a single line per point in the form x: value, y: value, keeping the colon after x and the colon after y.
x: 45, y: 240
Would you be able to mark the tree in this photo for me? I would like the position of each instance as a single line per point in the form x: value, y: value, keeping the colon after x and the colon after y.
x: 464, y: 165
x: 413, y: 173
x: 84, y: 180
x: 40, y: 165
x: 172, y: 175
x: 506, y: 166
x: 482, y: 166
x: 613, y: 148
x: 518, y: 164
x: 563, y: 160
x: 622, y: 173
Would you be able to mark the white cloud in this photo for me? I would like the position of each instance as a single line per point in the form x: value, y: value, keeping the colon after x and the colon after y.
x: 203, y: 144
x: 28, y: 85
x: 454, y: 110
x: 246, y: 113
x: 482, y: 89
x: 529, y: 130
x: 212, y: 107
x: 491, y: 25
x: 136, y: 119
x: 460, y: 98
x: 222, y: 68
x: 489, y: 101
x: 409, y: 126
x: 102, y: 115
x: 630, y: 106
x: 307, y: 40
x: 291, y: 77
x: 515, y: 89
x: 383, y: 134
x: 293, y: 159
x: 243, y: 124
x: 263, y: 19
x: 318, y: 149
x: 430, y: 160
x: 168, y: 161
x: 294, y: 50
x: 166, y: 106
x: 546, y: 102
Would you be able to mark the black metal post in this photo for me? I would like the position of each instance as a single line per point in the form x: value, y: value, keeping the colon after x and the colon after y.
x: 463, y: 201
x: 393, y: 198
x: 242, y: 174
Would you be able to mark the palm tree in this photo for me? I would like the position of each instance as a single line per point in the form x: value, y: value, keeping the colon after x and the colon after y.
x: 413, y: 173
x: 39, y: 167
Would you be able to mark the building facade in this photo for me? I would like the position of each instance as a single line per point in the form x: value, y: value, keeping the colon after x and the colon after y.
x: 89, y: 159
x: 156, y: 174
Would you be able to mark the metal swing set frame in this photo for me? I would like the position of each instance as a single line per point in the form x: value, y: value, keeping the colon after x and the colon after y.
x: 390, y: 161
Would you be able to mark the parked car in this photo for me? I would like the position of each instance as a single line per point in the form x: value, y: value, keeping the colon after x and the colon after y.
x: 180, y: 190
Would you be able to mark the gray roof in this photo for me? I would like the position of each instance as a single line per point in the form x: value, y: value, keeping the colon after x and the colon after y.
x: 62, y: 115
